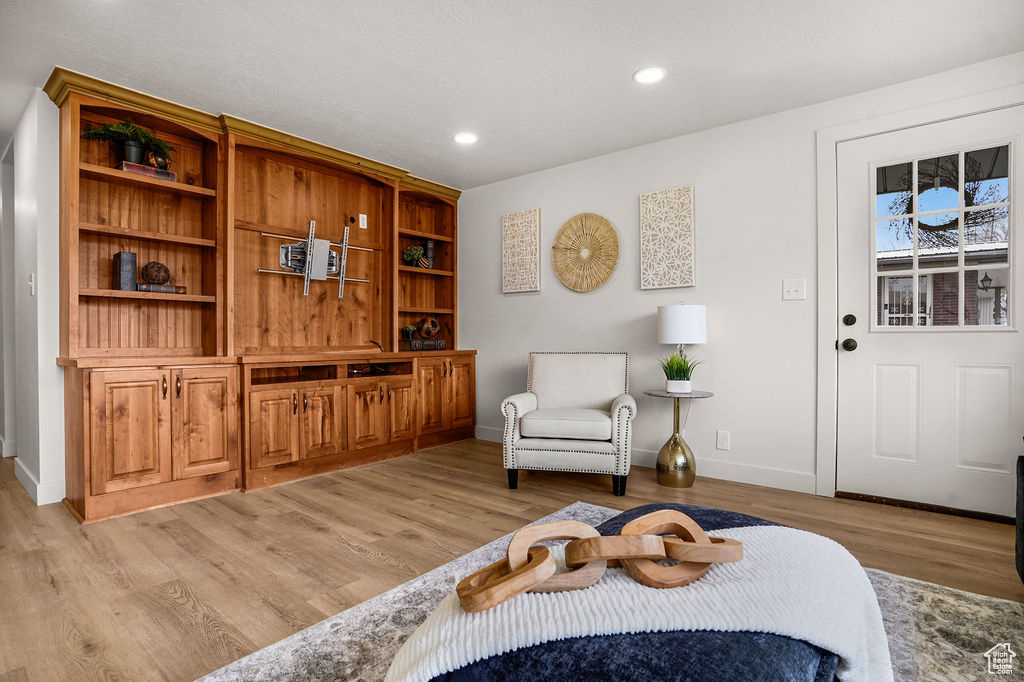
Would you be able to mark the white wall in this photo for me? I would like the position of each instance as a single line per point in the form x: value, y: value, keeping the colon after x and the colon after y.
x: 39, y: 384
x: 8, y: 427
x: 755, y: 224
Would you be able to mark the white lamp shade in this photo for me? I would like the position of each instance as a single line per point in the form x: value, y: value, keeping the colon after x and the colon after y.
x: 682, y: 324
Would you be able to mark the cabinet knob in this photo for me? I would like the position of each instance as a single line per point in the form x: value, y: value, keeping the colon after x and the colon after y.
x: 295, y: 404
x: 305, y: 404
x: 381, y: 389
x: 177, y: 386
x: 163, y: 382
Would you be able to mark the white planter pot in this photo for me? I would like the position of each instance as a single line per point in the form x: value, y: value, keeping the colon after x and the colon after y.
x: 678, y: 386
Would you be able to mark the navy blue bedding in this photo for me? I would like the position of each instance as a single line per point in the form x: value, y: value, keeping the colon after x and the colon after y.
x: 694, y: 656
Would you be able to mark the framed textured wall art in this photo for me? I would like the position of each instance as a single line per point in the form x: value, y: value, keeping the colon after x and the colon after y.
x: 520, y: 251
x: 666, y: 239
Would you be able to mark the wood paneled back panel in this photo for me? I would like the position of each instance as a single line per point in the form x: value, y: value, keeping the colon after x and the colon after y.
x: 139, y: 208
x: 113, y: 326
x: 272, y: 315
x: 280, y: 191
x: 425, y: 291
x: 426, y: 215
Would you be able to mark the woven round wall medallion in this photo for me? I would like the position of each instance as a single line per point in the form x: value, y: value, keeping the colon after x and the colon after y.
x: 585, y: 252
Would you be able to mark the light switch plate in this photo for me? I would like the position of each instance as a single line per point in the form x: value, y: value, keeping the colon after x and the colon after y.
x: 794, y: 290
x: 723, y: 439
x: 362, y: 221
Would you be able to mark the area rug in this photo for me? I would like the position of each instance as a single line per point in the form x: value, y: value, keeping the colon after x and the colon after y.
x: 935, y: 632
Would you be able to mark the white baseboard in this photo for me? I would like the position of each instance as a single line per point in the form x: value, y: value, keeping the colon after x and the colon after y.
x: 490, y: 433
x: 770, y: 477
x: 41, y: 493
x: 9, y: 448
x: 712, y: 468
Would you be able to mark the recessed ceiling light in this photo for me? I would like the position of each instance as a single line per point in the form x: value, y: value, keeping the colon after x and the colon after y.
x: 650, y: 74
x: 465, y: 137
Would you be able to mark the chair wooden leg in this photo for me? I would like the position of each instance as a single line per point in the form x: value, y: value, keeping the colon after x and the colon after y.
x: 513, y: 478
x: 618, y: 485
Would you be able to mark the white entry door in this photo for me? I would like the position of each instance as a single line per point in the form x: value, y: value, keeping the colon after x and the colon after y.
x: 931, y: 355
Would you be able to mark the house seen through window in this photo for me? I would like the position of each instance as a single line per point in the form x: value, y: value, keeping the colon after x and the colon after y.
x: 942, y: 234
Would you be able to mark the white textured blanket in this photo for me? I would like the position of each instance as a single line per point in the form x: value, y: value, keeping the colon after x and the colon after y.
x: 790, y: 582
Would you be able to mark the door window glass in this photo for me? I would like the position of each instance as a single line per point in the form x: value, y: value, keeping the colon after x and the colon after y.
x: 941, y: 234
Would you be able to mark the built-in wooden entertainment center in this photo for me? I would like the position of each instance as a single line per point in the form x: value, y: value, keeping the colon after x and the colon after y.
x: 241, y: 381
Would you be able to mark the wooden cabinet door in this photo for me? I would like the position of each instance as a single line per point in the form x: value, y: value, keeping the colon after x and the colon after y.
x: 432, y: 395
x: 366, y: 417
x: 273, y: 427
x: 130, y: 429
x: 323, y: 421
x: 461, y: 402
x: 204, y: 421
x: 401, y: 409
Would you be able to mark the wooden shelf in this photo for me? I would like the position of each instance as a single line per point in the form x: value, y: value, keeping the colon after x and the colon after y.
x: 425, y: 235
x: 129, y: 233
x: 145, y: 296
x: 102, y: 172
x: 426, y: 271
x: 436, y: 311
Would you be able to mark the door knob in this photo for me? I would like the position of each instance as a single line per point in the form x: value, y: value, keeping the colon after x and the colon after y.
x: 849, y: 320
x: 849, y: 344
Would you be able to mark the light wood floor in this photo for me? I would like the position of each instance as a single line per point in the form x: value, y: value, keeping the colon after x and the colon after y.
x: 178, y: 592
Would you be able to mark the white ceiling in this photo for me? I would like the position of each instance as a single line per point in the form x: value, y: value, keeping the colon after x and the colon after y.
x: 541, y: 82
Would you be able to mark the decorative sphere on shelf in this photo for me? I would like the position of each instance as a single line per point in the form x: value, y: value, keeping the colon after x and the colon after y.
x: 157, y: 160
x: 429, y: 327
x: 155, y: 273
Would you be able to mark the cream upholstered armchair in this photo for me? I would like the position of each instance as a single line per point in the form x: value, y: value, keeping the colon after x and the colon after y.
x: 576, y: 415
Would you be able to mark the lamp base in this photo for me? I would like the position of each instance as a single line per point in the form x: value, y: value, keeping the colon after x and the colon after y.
x: 677, y: 467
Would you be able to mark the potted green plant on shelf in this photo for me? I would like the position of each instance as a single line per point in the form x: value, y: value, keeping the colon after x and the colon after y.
x: 678, y: 370
x: 412, y: 254
x: 407, y: 332
x: 135, y: 142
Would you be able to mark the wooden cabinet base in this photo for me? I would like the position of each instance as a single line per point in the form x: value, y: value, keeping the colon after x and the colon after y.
x: 90, y: 508
x: 443, y: 437
x: 266, y: 477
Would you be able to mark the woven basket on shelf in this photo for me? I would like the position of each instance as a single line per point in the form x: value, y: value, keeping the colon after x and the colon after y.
x: 585, y: 252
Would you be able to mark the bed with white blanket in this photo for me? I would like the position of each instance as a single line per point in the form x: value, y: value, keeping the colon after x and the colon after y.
x: 798, y: 606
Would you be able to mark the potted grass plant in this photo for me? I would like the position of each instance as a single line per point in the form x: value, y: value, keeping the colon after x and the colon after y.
x: 678, y: 371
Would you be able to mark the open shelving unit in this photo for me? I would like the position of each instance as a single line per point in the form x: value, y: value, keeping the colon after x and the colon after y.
x: 177, y: 223
x: 427, y: 292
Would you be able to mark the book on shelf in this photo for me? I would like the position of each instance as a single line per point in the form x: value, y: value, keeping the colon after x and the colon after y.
x: 161, y: 288
x: 143, y: 169
x: 421, y: 344
x: 125, y: 270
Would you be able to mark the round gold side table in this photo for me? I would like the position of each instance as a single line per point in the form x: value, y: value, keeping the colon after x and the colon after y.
x: 676, y: 466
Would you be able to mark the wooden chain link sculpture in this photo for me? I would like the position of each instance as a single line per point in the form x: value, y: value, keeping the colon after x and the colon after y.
x: 639, y: 547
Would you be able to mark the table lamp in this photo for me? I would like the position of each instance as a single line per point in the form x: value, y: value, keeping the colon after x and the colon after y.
x: 682, y: 324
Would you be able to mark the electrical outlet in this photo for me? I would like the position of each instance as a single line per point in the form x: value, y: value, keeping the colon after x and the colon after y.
x: 362, y: 221
x: 794, y: 289
x: 722, y: 439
